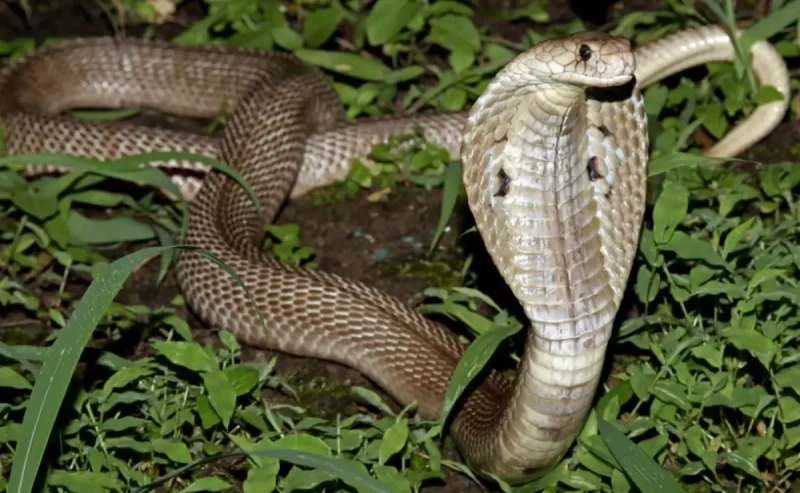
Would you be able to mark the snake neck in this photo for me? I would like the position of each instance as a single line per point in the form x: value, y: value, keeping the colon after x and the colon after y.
x: 545, y: 166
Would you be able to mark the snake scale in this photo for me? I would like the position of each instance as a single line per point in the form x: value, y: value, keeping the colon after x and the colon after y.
x: 555, y: 155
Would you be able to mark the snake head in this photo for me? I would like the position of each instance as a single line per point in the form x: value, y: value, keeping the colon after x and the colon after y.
x: 587, y: 59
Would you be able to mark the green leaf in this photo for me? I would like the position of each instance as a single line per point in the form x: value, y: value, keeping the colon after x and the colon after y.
x: 320, y: 25
x: 583, y: 480
x: 673, y: 393
x: 287, y: 38
x: 38, y: 204
x: 709, y: 353
x: 83, y: 481
x: 646, y: 474
x: 394, y: 440
x: 454, y: 32
x: 304, y: 443
x: 655, y: 97
x: 473, y: 361
x: 346, y: 63
x: 124, y: 377
x: 242, y: 378
x: 208, y: 483
x: 764, y: 275
x: 187, y: 354
x: 450, y: 194
x: 735, y: 236
x: 647, y: 284
x: 768, y: 94
x: 123, y: 423
x: 9, y: 378
x: 461, y: 60
x: 221, y: 394
x: 175, y: 451
x: 261, y: 479
x: 387, y: 18
x: 689, y: 248
x: 668, y: 162
x: 775, y: 22
x: 113, y: 230
x: 742, y: 463
x: 351, y: 472
x: 789, y: 377
x: 298, y: 479
x: 669, y: 211
x: 391, y: 476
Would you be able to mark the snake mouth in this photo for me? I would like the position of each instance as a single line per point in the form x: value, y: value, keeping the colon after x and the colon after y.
x: 612, y: 93
x: 590, y: 81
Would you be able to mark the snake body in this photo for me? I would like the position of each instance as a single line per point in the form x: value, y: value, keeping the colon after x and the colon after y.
x: 555, y: 156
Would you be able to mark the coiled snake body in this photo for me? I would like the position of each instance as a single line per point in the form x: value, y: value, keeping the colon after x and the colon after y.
x: 555, y: 166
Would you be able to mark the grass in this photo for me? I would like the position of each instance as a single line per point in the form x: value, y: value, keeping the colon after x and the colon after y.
x: 703, y: 391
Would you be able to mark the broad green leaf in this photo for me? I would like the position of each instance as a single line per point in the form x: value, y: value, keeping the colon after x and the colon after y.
x: 789, y: 377
x: 669, y: 211
x: 735, y: 236
x: 583, y: 480
x: 242, y: 378
x: 320, y: 25
x: 346, y: 63
x: 117, y: 229
x: 676, y: 160
x: 351, y: 472
x: 642, y: 470
x: 302, y: 480
x: 261, y: 479
x: 742, y: 463
x: 387, y: 18
x: 9, y: 378
x: 454, y: 32
x: 174, y: 450
x: 689, y: 248
x: 391, y: 476
x: 764, y: 275
x: 123, y: 377
x: 221, y: 394
x: 304, y: 443
x: 647, y: 284
x: 187, y: 354
x: 83, y: 481
x: 672, y: 392
x: 472, y: 362
x: 123, y: 423
x: 287, y: 38
x: 394, y: 440
x: 208, y: 483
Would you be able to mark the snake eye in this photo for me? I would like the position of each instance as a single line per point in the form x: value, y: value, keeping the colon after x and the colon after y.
x: 585, y: 52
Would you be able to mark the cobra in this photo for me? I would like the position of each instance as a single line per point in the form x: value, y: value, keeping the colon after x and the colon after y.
x: 555, y: 156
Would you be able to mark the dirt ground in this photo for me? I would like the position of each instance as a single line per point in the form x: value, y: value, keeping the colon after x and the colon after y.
x: 373, y: 242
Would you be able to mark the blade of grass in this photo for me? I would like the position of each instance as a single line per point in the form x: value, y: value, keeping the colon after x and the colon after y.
x: 774, y: 23
x: 643, y: 471
x: 450, y: 193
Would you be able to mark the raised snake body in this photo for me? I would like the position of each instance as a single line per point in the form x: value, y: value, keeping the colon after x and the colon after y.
x: 555, y: 167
